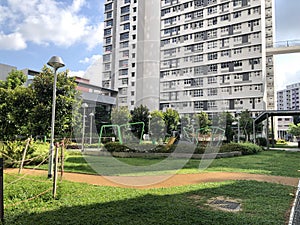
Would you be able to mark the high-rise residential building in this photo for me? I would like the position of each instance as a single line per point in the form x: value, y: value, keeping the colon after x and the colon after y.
x: 132, y: 51
x: 190, y: 55
x: 287, y: 99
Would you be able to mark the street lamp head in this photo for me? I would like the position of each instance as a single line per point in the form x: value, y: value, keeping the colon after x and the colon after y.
x: 149, y: 116
x: 84, y: 105
x: 56, y: 62
x: 91, y: 114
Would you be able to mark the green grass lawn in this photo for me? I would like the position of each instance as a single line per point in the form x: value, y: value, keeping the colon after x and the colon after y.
x: 268, y: 162
x: 262, y: 203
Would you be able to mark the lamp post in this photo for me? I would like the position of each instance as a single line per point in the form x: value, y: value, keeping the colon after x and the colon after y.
x: 91, y: 126
x: 238, y: 118
x: 254, y: 134
x: 84, y: 106
x: 149, y: 123
x: 55, y: 62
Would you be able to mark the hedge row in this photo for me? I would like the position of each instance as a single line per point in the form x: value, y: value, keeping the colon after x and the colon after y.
x: 200, y: 148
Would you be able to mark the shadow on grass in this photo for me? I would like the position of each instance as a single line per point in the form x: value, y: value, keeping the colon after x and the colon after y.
x: 262, y: 203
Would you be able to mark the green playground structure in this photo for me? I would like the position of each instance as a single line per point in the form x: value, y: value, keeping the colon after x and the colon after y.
x: 119, y: 130
x: 215, y: 134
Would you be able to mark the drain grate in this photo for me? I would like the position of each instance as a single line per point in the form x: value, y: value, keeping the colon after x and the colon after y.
x: 225, y: 204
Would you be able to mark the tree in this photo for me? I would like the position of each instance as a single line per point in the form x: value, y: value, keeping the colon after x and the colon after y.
x: 27, y: 111
x: 171, y: 118
x: 120, y: 115
x: 157, y: 127
x: 202, y: 122
x: 102, y: 116
x: 14, y: 79
x: 140, y: 114
x: 67, y: 103
x: 16, y: 102
x: 295, y: 131
x: 225, y: 122
x: 246, y: 124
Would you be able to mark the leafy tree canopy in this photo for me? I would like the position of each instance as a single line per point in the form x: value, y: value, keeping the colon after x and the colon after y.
x: 14, y: 79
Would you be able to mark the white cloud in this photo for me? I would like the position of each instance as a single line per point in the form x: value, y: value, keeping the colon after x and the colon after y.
x: 77, y: 4
x: 91, y: 59
x: 79, y: 73
x: 48, y: 22
x: 13, y: 41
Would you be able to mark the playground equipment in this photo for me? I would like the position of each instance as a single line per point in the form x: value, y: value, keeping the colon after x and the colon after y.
x: 121, y: 130
x: 214, y: 135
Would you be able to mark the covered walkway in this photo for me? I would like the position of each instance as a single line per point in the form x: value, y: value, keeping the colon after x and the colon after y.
x: 270, y: 114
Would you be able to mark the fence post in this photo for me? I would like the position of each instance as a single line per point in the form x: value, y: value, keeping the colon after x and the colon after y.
x: 62, y: 156
x: 24, y: 155
x: 55, y: 170
x: 1, y: 190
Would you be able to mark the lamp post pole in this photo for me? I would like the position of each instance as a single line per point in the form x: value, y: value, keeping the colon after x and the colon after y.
x: 254, y: 134
x: 55, y: 62
x: 149, y: 123
x: 91, y: 126
x: 239, y: 130
x: 84, y: 106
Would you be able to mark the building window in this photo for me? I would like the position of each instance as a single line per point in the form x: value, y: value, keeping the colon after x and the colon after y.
x: 108, y: 7
x: 212, y: 56
x: 125, y: 9
x: 109, y: 23
x: 126, y: 26
x: 212, y: 91
x: 212, y: 10
x: 198, y: 93
x: 125, y: 18
x: 124, y: 72
x: 212, y: 80
x: 225, y: 53
x: 107, y: 32
x: 124, y: 36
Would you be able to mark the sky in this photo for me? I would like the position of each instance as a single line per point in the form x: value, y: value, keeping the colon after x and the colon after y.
x: 31, y: 31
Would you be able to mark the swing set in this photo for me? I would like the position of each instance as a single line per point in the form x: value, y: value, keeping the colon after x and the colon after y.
x: 122, y: 130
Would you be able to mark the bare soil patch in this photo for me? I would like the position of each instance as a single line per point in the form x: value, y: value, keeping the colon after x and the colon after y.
x: 169, y: 181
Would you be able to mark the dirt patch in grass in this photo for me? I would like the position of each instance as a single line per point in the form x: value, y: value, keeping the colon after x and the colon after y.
x: 169, y: 181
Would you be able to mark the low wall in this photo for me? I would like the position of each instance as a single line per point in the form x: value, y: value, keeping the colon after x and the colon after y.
x: 160, y: 155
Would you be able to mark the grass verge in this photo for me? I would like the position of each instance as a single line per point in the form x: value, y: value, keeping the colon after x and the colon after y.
x: 262, y: 203
x: 278, y: 163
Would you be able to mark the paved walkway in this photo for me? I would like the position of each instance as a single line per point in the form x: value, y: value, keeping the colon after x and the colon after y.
x: 163, y: 180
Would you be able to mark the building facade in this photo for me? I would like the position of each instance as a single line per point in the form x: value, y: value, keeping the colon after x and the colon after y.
x: 287, y: 99
x: 131, y: 51
x: 190, y: 55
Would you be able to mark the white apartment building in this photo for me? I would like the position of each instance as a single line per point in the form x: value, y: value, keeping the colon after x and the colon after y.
x: 131, y: 51
x: 287, y: 99
x: 190, y: 55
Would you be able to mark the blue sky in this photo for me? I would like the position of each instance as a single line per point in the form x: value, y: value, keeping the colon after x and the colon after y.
x: 31, y: 31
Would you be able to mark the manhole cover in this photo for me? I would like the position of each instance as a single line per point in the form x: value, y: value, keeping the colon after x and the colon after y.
x: 225, y: 204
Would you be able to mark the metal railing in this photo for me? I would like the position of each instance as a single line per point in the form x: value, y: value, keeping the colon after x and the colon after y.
x: 284, y: 44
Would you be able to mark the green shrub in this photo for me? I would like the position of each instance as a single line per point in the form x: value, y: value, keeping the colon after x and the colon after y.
x: 250, y: 148
x: 261, y: 141
x: 116, y: 147
x: 246, y: 148
x: 231, y: 147
x: 12, y: 153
